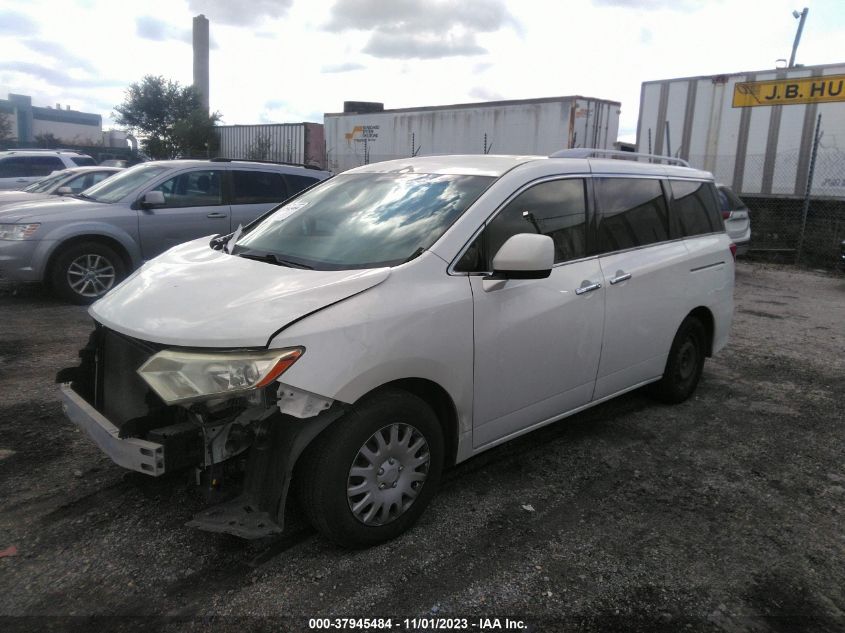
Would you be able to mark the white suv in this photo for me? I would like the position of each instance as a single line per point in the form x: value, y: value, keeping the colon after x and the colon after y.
x: 20, y: 167
x: 397, y: 319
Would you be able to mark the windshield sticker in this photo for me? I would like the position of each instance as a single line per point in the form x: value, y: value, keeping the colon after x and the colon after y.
x: 286, y: 211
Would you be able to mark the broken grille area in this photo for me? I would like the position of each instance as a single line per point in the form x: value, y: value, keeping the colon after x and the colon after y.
x: 122, y: 396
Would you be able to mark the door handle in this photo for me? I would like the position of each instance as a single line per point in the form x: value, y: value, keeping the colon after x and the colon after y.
x: 589, y: 288
x: 216, y: 215
x: 620, y: 278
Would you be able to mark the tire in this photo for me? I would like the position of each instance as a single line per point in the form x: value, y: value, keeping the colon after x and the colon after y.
x: 684, y: 365
x: 374, y: 457
x: 84, y: 272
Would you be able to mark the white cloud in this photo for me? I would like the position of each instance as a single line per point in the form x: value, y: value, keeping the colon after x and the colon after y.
x: 241, y: 12
x: 306, y: 57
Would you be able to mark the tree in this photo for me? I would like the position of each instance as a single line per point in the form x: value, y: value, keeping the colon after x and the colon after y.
x: 169, y: 117
x: 47, y: 140
x: 5, y: 127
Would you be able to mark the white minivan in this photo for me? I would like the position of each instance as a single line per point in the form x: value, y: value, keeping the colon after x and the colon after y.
x: 397, y: 319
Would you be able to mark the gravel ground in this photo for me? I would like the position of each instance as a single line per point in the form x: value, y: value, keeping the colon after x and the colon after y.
x: 725, y: 513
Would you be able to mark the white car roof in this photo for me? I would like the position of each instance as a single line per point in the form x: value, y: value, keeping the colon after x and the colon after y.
x: 460, y: 164
x: 498, y: 165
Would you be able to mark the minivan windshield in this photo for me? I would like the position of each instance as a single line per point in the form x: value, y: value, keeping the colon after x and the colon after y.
x: 120, y: 185
x: 43, y: 185
x: 362, y: 220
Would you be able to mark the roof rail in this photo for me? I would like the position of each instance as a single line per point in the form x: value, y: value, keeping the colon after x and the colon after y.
x: 587, y: 152
x: 57, y: 150
x: 223, y: 159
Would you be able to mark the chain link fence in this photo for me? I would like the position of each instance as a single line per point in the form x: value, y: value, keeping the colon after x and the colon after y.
x: 796, y: 202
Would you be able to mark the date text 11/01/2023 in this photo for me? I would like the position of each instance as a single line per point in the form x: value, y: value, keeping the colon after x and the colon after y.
x: 418, y: 624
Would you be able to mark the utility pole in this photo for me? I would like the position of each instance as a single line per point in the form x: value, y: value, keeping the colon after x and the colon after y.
x: 802, y: 16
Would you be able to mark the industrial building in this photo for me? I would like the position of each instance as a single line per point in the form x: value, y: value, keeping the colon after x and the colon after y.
x: 69, y: 127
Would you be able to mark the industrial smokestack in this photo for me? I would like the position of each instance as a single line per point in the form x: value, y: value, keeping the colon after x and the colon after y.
x: 201, y: 58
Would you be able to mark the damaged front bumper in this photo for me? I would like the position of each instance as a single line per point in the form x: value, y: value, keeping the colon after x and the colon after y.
x: 130, y: 452
x: 243, y: 448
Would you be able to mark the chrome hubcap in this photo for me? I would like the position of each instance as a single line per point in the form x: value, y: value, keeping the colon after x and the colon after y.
x: 387, y: 474
x: 90, y: 275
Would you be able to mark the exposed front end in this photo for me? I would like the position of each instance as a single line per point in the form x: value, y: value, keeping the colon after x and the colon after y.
x: 155, y: 410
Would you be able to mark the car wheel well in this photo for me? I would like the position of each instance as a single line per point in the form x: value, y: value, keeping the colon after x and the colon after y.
x: 102, y: 239
x: 704, y: 315
x: 441, y: 403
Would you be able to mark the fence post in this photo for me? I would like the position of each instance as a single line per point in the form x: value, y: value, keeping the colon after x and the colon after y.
x: 806, y: 206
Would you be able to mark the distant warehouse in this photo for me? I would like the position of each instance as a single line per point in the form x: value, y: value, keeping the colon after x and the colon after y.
x: 753, y: 130
x: 366, y: 133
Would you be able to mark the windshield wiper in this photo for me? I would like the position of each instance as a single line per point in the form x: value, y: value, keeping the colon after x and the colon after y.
x: 270, y: 258
x: 82, y: 196
x: 415, y: 254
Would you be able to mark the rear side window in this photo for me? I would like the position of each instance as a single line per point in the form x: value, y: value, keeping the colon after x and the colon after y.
x: 253, y: 187
x: 555, y: 208
x: 298, y: 183
x: 695, y: 207
x: 45, y: 165
x: 631, y: 212
x: 27, y: 166
x: 83, y: 161
x: 14, y: 166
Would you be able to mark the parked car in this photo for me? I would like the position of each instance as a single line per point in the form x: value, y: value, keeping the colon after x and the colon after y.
x: 85, y: 244
x: 60, y: 183
x: 842, y: 255
x: 115, y: 162
x: 400, y: 318
x: 736, y: 218
x: 21, y: 167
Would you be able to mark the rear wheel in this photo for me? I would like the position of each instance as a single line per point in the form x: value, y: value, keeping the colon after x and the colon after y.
x: 84, y: 272
x: 370, y: 475
x: 684, y: 365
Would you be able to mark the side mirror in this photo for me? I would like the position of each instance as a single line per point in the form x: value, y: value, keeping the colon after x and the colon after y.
x: 525, y: 256
x: 64, y: 191
x: 152, y: 199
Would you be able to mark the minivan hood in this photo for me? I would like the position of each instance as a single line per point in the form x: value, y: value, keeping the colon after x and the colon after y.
x: 195, y: 296
x: 40, y: 209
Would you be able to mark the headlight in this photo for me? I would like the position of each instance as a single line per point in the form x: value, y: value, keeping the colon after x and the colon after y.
x: 184, y: 376
x: 17, y: 231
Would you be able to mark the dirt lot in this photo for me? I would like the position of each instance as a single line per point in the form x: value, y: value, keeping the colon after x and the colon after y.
x: 726, y: 513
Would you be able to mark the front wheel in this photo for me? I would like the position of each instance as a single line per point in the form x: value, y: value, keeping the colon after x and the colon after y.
x: 684, y: 365
x: 84, y: 272
x: 370, y: 475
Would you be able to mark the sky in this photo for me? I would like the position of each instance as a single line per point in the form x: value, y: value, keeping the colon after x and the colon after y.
x: 287, y: 61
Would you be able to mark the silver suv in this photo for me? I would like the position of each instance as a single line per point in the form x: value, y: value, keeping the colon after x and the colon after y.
x: 83, y: 245
x: 736, y: 218
x: 20, y: 167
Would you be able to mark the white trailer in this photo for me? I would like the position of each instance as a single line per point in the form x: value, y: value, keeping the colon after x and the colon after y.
x: 298, y: 143
x: 531, y: 126
x: 753, y: 130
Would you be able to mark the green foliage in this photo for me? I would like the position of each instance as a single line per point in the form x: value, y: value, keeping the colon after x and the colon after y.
x: 169, y: 117
x: 5, y: 127
x: 47, y: 140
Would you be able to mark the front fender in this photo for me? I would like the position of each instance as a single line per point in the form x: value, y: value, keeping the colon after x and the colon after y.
x: 60, y: 235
